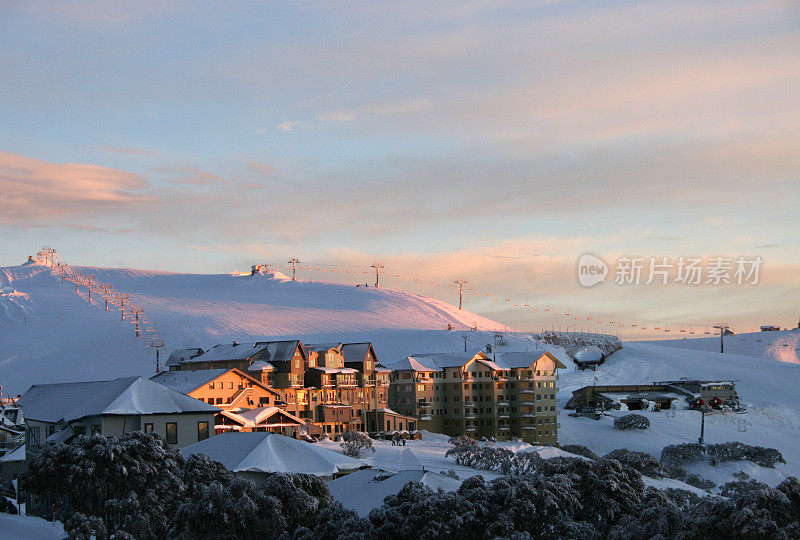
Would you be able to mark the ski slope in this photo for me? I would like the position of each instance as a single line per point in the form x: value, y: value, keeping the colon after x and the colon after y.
x: 50, y: 333
x: 783, y: 345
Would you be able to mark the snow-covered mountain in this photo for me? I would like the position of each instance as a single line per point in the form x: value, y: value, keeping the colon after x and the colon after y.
x: 50, y: 333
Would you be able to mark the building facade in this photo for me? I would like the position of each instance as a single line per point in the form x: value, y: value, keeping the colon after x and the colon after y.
x: 506, y: 396
x: 329, y: 385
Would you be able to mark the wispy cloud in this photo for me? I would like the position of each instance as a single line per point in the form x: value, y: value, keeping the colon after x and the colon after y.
x: 126, y: 150
x: 36, y: 190
x: 289, y: 125
x: 381, y: 109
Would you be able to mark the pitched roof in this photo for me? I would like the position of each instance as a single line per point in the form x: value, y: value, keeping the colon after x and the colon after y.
x: 436, y: 361
x: 362, y: 491
x: 126, y: 396
x: 268, y: 351
x: 319, y: 347
x: 511, y: 360
x: 355, y: 352
x: 180, y: 355
x: 253, y: 417
x: 188, y: 381
x: 271, y: 453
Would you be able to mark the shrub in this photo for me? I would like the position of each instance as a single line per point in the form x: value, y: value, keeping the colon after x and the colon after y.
x: 641, y: 461
x: 462, y: 440
x: 631, y: 421
x: 579, y: 450
x: 736, y: 451
x: 699, y: 482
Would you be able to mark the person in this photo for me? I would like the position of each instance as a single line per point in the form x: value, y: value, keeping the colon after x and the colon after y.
x: 404, y: 441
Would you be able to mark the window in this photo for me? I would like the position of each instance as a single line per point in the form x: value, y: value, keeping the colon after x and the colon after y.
x: 219, y: 401
x: 211, y: 385
x: 94, y: 429
x: 33, y: 436
x: 202, y: 431
x: 172, y: 432
x: 230, y: 385
x: 263, y: 401
x: 50, y: 430
x: 79, y: 430
x: 148, y: 428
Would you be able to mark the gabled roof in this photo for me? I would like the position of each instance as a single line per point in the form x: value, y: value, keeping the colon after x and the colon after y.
x: 126, y: 396
x: 320, y: 347
x: 186, y: 382
x: 268, y: 351
x: 181, y: 355
x: 437, y: 361
x: 271, y: 453
x: 356, y: 352
x: 362, y: 491
x: 513, y: 360
x: 255, y: 417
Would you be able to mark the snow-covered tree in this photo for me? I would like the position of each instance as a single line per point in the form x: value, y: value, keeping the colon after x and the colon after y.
x: 631, y: 421
x: 355, y: 442
x: 641, y: 461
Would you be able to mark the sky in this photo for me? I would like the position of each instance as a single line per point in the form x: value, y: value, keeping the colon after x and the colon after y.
x: 492, y: 141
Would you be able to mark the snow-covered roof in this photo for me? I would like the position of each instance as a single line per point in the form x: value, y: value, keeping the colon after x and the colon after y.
x: 261, y: 366
x: 436, y: 361
x: 188, y: 381
x: 362, y: 491
x: 126, y: 396
x: 439, y: 361
x: 320, y: 347
x: 382, y: 369
x: 331, y: 370
x: 180, y: 355
x: 272, y: 453
x: 268, y: 351
x: 512, y: 360
x: 589, y: 354
x: 251, y: 418
x: 18, y: 454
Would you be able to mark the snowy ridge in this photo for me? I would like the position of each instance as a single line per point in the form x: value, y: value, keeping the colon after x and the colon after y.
x: 783, y: 345
x: 48, y: 333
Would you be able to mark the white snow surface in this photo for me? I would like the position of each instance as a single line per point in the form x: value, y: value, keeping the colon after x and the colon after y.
x: 15, y: 527
x: 271, y: 453
x: 48, y: 333
x: 783, y: 345
x: 766, y: 386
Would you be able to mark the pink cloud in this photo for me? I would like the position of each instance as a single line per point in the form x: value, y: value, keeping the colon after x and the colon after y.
x: 36, y: 190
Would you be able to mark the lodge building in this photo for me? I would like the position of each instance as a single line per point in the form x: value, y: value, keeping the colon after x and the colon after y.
x: 331, y: 387
x: 504, y: 396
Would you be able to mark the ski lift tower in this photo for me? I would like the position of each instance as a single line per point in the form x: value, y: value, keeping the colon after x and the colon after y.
x: 137, y: 311
x: 293, y: 261
x: 156, y: 343
x: 460, y: 282
x: 722, y: 327
x: 378, y: 267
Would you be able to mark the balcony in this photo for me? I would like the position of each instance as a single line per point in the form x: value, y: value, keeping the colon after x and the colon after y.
x: 504, y: 415
x: 469, y: 404
x: 503, y: 427
x: 469, y: 429
x: 502, y: 403
x: 424, y: 404
x: 383, y: 382
x: 345, y: 384
x: 529, y: 427
x: 467, y: 378
x: 425, y: 380
x: 469, y: 416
